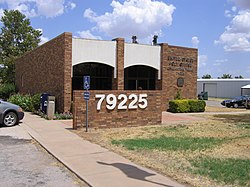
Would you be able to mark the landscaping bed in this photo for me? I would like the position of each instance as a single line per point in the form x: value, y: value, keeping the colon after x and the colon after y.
x: 211, y: 152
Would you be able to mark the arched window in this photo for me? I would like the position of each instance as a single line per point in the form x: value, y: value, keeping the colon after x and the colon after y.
x: 100, y: 76
x: 139, y: 78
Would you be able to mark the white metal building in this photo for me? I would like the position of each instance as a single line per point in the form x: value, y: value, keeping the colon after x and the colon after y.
x: 223, y: 88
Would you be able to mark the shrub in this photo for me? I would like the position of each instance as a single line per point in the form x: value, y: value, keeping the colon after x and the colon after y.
x: 183, y: 106
x: 6, y: 90
x: 36, y: 101
x: 57, y: 116
x: 178, y: 95
x: 179, y: 106
x: 27, y: 102
x: 197, y: 105
x: 62, y: 116
x: 23, y: 101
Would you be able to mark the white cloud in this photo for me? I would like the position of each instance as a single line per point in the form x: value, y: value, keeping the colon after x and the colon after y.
x: 32, y: 8
x: 88, y: 34
x: 45, y: 7
x: 202, y: 60
x: 217, y: 64
x: 134, y: 17
x: 231, y: 13
x: 234, y: 8
x: 71, y: 5
x: 221, y: 60
x: 1, y: 12
x: 195, y: 41
x: 43, y: 39
x: 228, y: 13
x: 241, y: 23
x: 245, y: 4
x: 26, y: 9
x: 237, y: 35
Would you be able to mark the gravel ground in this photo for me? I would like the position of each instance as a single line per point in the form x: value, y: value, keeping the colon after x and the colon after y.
x: 24, y: 163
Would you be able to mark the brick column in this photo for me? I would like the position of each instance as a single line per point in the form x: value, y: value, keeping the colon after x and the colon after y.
x: 164, y: 76
x: 119, y: 63
x: 178, y: 63
x: 67, y: 97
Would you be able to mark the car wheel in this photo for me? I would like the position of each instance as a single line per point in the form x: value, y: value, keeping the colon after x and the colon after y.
x: 236, y: 105
x: 10, y: 119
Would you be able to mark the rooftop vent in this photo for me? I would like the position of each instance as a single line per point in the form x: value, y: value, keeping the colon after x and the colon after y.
x: 134, y: 40
x: 154, y: 42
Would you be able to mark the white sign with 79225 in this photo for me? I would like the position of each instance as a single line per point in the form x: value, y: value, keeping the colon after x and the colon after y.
x: 136, y: 101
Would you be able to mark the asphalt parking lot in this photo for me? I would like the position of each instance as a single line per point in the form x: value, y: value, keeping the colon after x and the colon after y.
x: 213, y: 103
x: 23, y: 162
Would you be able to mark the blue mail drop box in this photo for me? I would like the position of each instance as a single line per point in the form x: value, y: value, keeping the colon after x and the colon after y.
x: 44, y: 102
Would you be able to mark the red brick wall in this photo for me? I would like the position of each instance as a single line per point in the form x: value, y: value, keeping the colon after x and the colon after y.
x: 178, y: 62
x: 120, y: 63
x: 116, y: 118
x: 48, y: 69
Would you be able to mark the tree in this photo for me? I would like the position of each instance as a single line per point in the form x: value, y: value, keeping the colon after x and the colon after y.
x: 16, y: 38
x: 226, y: 76
x: 7, y: 74
x: 239, y: 77
x: 207, y: 76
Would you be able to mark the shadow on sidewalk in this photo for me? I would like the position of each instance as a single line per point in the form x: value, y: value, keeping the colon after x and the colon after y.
x: 133, y: 172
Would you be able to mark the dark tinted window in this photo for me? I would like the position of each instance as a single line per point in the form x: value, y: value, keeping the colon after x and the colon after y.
x: 100, y: 76
x: 139, y: 77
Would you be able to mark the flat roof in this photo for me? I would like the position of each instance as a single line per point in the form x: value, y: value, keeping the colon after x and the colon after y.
x: 223, y: 80
x: 246, y: 86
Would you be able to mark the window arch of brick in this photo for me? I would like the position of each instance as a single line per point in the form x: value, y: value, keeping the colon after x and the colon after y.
x: 101, y: 76
x: 140, y: 77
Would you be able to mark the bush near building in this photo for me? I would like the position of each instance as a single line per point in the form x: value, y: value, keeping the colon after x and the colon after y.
x: 27, y: 102
x: 187, y: 105
x: 6, y: 90
x: 31, y: 103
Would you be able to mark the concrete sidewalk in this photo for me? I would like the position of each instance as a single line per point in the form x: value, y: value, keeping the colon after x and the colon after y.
x: 97, y: 166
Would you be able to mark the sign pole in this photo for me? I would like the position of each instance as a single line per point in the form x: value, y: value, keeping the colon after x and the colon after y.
x: 86, y: 86
x: 87, y: 116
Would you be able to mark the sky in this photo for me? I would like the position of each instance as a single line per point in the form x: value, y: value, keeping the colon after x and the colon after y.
x: 220, y: 29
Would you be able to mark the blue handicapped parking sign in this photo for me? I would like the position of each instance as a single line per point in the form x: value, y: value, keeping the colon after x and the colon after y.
x: 86, y: 82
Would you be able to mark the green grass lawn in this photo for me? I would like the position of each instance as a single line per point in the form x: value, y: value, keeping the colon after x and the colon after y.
x: 212, y: 152
x: 230, y: 171
x: 197, y: 145
x: 243, y: 118
x: 169, y: 143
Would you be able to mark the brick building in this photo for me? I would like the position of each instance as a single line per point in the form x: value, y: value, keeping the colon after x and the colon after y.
x: 58, y: 66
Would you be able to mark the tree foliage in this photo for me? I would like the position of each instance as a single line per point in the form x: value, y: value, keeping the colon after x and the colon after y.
x: 226, y: 76
x: 16, y: 38
x: 7, y: 74
x: 207, y: 76
x: 239, y: 77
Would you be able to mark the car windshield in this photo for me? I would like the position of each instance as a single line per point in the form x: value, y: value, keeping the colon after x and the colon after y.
x: 241, y: 97
x: 238, y: 98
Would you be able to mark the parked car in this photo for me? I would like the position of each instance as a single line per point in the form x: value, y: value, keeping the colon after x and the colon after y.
x: 236, y: 102
x: 248, y: 103
x: 10, y: 114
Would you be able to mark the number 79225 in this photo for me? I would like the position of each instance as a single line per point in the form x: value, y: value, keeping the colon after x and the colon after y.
x: 135, y: 101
